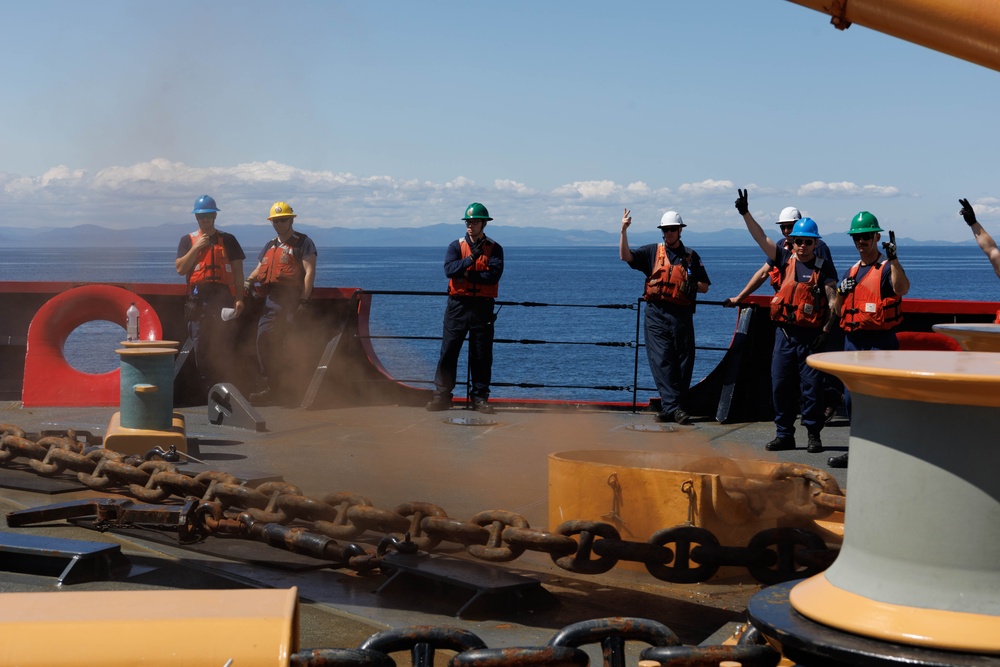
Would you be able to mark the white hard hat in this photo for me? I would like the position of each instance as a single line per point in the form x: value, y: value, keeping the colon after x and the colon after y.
x: 671, y: 219
x: 789, y: 214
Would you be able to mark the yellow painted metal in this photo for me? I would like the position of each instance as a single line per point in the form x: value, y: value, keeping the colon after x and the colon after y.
x: 140, y: 440
x: 642, y: 492
x: 126, y: 628
x: 966, y: 29
x: 955, y: 378
x: 821, y: 601
x: 973, y: 337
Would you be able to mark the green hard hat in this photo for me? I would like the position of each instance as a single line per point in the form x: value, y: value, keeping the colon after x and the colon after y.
x: 476, y: 211
x: 864, y: 222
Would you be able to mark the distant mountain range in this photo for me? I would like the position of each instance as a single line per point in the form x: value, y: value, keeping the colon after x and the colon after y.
x: 252, y: 237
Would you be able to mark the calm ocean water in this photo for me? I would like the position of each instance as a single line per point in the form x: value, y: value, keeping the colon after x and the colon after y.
x: 577, y: 276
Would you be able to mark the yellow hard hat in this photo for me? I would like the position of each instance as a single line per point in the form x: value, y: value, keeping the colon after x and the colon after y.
x: 280, y: 210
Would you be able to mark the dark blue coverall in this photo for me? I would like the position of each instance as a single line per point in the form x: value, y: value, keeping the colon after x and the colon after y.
x: 669, y: 329
x: 795, y: 384
x: 472, y: 315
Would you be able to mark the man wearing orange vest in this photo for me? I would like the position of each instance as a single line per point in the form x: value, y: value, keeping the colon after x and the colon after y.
x: 212, y: 263
x: 473, y: 265
x: 869, y: 298
x: 674, y: 278
x: 286, y: 271
x: 803, y: 320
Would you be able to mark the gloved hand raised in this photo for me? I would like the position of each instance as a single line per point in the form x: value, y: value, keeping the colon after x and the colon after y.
x: 846, y: 286
x: 967, y: 213
x: 742, y: 202
x: 477, y: 249
x: 890, y: 247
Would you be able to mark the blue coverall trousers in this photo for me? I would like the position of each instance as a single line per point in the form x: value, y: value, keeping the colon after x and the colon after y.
x: 794, y: 383
x: 473, y: 316
x: 669, y: 338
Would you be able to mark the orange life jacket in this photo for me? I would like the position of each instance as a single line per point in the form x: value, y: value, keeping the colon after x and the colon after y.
x: 774, y: 277
x: 802, y: 304
x: 864, y: 309
x: 462, y: 287
x: 213, y: 265
x: 667, y: 282
x: 280, y: 265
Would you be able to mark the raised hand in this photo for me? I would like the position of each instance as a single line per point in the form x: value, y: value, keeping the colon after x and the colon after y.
x: 626, y: 219
x: 742, y: 202
x: 967, y: 213
x: 890, y: 246
x: 846, y: 286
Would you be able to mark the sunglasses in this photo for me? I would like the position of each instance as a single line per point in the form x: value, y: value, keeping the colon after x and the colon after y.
x: 802, y: 241
x: 866, y: 236
x: 785, y: 228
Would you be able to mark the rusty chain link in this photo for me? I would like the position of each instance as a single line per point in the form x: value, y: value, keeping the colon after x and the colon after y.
x: 561, y: 650
x: 681, y: 554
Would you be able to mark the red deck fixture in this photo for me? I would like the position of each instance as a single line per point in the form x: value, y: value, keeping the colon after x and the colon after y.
x: 49, y: 380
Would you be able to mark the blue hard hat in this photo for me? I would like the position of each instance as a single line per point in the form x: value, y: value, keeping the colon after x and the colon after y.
x: 205, y: 204
x: 806, y: 227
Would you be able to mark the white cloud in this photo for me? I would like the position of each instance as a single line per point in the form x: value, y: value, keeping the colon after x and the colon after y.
x: 162, y: 191
x: 589, y: 189
x: 708, y: 186
x: 845, y: 189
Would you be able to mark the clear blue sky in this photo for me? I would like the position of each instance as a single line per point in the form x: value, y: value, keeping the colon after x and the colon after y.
x: 559, y: 114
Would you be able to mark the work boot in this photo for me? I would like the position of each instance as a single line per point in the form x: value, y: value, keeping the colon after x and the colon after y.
x: 781, y: 443
x: 481, y: 405
x: 837, y: 461
x: 681, y: 417
x: 262, y: 397
x: 815, y: 445
x: 438, y: 404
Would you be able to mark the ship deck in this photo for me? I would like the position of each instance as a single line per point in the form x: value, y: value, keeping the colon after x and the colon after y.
x: 396, y: 454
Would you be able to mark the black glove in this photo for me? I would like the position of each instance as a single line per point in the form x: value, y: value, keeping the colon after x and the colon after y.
x: 250, y: 292
x: 967, y: 213
x: 742, y: 203
x: 691, y: 289
x: 477, y: 250
x: 847, y: 285
x: 819, y: 342
x: 303, y: 306
x: 890, y: 250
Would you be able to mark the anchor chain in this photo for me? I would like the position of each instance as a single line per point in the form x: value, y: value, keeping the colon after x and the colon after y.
x: 561, y: 650
x: 278, y: 513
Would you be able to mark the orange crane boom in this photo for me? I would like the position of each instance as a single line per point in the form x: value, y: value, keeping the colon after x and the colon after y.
x: 967, y: 29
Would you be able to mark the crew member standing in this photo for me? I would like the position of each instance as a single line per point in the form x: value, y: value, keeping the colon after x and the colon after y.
x: 801, y: 311
x: 833, y: 388
x: 473, y: 265
x: 674, y: 277
x: 870, y: 296
x: 212, y: 263
x: 286, y: 271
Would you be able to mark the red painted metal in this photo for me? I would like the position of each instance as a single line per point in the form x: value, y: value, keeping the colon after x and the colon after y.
x: 49, y: 380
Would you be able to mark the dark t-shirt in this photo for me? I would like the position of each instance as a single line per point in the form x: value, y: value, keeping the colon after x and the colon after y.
x: 886, y: 286
x: 822, y: 250
x: 804, y: 270
x: 301, y: 245
x: 233, y: 250
x: 644, y: 258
